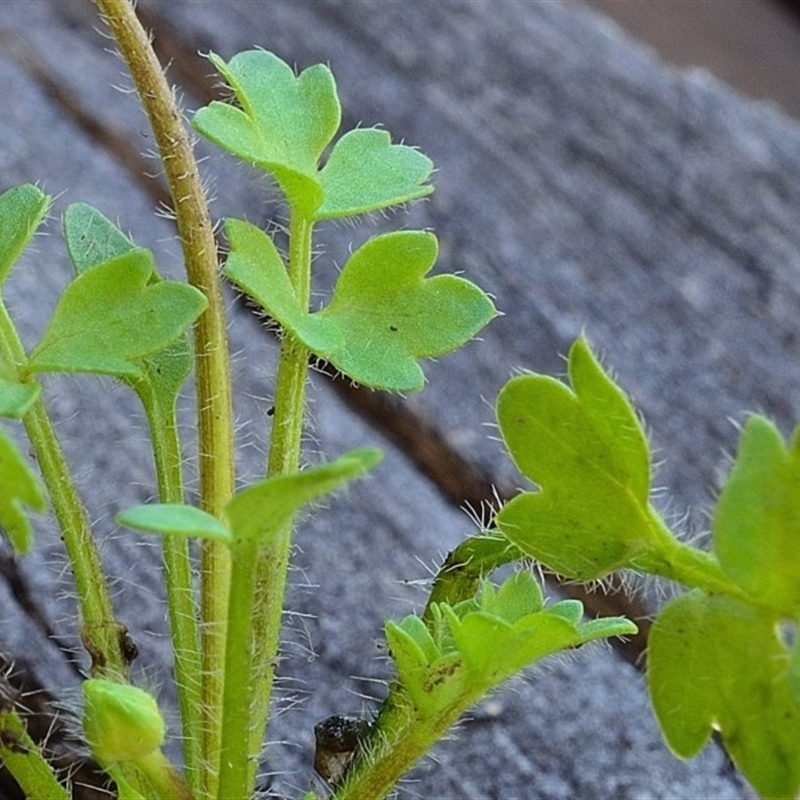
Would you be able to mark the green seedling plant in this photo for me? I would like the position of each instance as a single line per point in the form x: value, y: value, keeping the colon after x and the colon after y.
x: 723, y: 656
x: 119, y: 318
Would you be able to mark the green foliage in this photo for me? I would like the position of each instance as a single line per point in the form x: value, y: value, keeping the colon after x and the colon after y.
x: 91, y: 238
x: 16, y: 398
x: 384, y: 314
x: 259, y: 511
x: 756, y: 527
x: 724, y: 656
x: 586, y: 450
x: 284, y: 123
x: 157, y: 378
x: 20, y: 487
x: 121, y: 722
x: 717, y: 663
x: 472, y: 647
x: 22, y: 209
x: 718, y: 656
x: 113, y: 315
x: 721, y: 662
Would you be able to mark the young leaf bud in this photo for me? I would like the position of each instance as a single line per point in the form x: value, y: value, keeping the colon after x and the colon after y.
x: 121, y: 722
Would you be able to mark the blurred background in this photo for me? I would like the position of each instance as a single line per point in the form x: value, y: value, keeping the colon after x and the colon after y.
x: 754, y: 45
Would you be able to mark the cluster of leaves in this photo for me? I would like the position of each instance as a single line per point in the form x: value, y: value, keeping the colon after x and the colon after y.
x: 384, y: 314
x: 118, y: 317
x: 473, y: 646
x: 722, y: 656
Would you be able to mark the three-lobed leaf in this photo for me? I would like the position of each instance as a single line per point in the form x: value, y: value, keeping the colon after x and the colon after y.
x: 716, y: 663
x: 282, y: 124
x: 112, y: 315
x: 586, y: 450
x: 756, y: 527
x: 384, y: 314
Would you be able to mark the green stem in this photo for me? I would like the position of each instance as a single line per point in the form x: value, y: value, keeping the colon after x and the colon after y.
x: 680, y: 562
x: 400, y: 737
x: 102, y: 635
x: 259, y: 574
x: 163, y: 778
x: 214, y: 403
x: 180, y: 595
x: 466, y: 566
x: 24, y: 760
x: 237, y: 706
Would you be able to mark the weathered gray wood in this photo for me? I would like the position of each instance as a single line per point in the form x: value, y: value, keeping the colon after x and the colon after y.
x: 583, y: 183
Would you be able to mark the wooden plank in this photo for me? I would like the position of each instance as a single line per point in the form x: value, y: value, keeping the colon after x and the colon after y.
x: 582, y: 183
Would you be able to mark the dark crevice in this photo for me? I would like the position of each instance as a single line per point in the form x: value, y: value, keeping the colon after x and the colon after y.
x: 22, y: 595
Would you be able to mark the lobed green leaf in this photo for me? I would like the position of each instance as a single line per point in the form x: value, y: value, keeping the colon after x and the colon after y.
x: 756, y: 527
x: 586, y: 450
x: 92, y: 239
x: 384, y: 314
x: 20, y: 487
x: 468, y: 649
x: 283, y: 123
x: 22, y: 209
x: 112, y: 315
x: 716, y: 663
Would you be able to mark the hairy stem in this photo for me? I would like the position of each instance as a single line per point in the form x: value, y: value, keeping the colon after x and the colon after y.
x: 214, y: 404
x: 102, y: 635
x: 24, y: 760
x: 259, y: 574
x: 400, y: 737
x: 685, y: 564
x: 180, y: 594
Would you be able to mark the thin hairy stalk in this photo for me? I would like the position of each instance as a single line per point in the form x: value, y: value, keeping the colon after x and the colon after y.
x: 259, y: 575
x: 24, y: 760
x: 102, y: 635
x: 214, y: 404
x: 400, y: 737
x: 180, y: 594
x: 685, y: 564
x: 234, y: 777
x: 465, y: 567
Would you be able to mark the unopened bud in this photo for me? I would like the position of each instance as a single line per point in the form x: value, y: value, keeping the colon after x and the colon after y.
x: 121, y: 722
